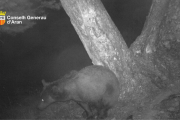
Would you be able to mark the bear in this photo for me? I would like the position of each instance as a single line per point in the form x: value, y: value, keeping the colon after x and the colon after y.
x: 94, y: 88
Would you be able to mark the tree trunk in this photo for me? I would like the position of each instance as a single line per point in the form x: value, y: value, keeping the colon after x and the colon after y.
x: 149, y: 71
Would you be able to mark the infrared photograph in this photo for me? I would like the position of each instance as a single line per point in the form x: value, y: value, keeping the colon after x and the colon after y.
x: 90, y: 59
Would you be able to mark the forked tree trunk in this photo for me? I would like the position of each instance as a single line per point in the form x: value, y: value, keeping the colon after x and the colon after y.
x: 99, y: 35
x: 149, y: 71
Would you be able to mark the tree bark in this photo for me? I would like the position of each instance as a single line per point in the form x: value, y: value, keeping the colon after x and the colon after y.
x: 156, y: 49
x: 146, y: 74
x: 101, y: 38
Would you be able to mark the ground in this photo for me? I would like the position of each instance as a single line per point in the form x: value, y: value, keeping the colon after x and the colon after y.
x: 26, y: 108
x: 162, y: 107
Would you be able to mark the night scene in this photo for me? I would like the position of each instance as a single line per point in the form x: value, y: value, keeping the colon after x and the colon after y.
x: 90, y: 59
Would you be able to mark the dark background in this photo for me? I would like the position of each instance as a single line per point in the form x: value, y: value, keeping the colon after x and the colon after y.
x: 52, y: 48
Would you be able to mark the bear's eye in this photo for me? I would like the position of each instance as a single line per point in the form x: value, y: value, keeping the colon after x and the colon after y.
x: 42, y: 100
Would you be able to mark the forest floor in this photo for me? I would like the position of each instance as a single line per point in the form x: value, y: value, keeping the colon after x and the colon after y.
x: 166, y: 105
x: 26, y: 108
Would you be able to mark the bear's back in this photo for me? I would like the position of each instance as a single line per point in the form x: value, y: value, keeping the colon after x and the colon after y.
x: 96, y: 82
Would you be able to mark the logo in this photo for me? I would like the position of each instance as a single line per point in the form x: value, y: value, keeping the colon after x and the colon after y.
x: 2, y: 17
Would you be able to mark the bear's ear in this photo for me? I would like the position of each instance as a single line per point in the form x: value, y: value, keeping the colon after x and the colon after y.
x: 44, y: 83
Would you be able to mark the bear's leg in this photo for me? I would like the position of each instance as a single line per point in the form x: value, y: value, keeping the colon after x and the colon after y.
x: 102, y: 110
x: 87, y: 110
x: 103, y: 113
x: 93, y: 109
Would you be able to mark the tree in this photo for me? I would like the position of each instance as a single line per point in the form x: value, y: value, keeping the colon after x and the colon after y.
x: 149, y: 70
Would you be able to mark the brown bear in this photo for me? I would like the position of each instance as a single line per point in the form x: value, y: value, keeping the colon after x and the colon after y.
x: 94, y: 88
